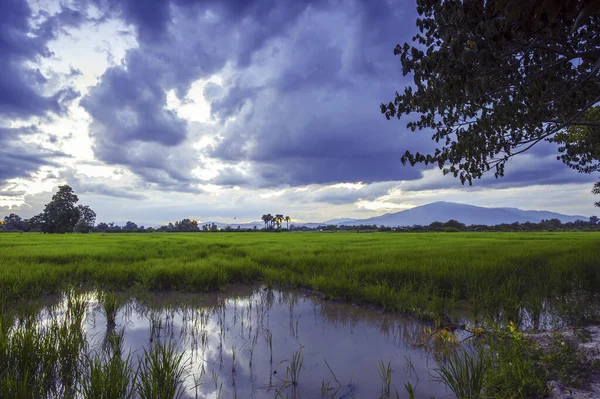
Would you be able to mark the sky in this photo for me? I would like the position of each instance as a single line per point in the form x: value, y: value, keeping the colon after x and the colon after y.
x: 159, y: 110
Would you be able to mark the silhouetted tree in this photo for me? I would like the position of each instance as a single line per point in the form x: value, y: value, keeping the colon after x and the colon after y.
x: 186, y: 225
x: 14, y: 222
x: 61, y: 215
x: 87, y: 218
x: 278, y: 220
x: 288, y: 220
x: 102, y: 227
x: 493, y: 78
x: 130, y: 226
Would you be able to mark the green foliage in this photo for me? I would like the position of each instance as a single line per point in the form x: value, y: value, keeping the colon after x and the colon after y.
x: 463, y: 372
x: 515, y: 366
x: 294, y: 367
x: 160, y: 373
x: 493, y: 78
x: 61, y: 215
x: 565, y: 363
x: 580, y: 146
x: 87, y: 218
x: 385, y: 374
x: 109, y: 374
x: 110, y: 307
x: 39, y: 362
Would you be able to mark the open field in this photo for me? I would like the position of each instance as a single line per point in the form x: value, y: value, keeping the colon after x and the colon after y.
x: 485, y: 293
x: 429, y: 275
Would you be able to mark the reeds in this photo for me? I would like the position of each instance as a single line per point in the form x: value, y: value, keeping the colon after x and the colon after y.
x: 110, y: 307
x: 109, y: 374
x: 161, y: 373
x: 463, y: 372
x: 42, y: 359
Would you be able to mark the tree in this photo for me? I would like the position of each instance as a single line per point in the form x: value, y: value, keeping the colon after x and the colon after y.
x: 454, y: 224
x: 268, y: 219
x: 87, y: 216
x: 131, y: 226
x: 278, y: 219
x: 288, y: 220
x: 594, y: 220
x: 580, y: 146
x: 14, y: 222
x: 61, y: 215
x: 186, y: 225
x: 494, y: 78
x: 82, y: 227
x: 103, y: 227
x: 36, y: 222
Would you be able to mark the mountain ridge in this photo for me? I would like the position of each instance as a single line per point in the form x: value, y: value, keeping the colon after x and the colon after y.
x: 442, y: 211
x: 439, y: 211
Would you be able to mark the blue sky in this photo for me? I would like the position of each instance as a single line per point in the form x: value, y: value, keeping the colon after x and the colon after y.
x: 158, y: 110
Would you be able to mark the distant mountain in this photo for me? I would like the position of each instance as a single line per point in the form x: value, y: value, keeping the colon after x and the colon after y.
x: 467, y: 214
x: 425, y: 215
x: 339, y: 221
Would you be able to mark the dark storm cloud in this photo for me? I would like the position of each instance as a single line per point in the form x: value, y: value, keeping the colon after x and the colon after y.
x: 538, y: 167
x: 299, y: 103
x: 103, y: 189
x: 24, y: 41
x: 307, y: 109
x: 22, y: 160
x: 23, y: 88
x: 126, y: 109
x: 19, y: 159
x: 179, y: 42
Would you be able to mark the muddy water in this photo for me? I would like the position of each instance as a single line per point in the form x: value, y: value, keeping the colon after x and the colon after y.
x: 240, y: 344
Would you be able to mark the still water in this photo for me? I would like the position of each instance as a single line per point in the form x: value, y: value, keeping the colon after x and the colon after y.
x: 242, y: 344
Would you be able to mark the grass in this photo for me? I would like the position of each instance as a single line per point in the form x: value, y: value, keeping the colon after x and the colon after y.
x: 42, y: 358
x: 429, y: 275
x: 161, y: 373
x: 464, y: 373
x: 110, y: 307
x: 501, y: 278
x: 109, y: 374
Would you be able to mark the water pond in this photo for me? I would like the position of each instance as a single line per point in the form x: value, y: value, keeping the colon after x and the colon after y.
x: 254, y: 342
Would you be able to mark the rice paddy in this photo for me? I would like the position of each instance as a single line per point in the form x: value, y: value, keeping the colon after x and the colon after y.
x: 432, y: 276
x: 470, y: 293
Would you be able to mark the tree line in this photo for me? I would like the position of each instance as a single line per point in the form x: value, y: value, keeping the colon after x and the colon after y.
x: 592, y: 224
x: 63, y: 215
x: 272, y: 221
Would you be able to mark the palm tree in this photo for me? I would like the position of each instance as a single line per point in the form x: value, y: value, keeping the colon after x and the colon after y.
x: 265, y: 219
x: 278, y: 220
x: 270, y: 219
x: 288, y: 220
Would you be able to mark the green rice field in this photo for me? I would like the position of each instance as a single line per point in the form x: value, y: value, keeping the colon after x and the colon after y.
x: 77, y: 319
x: 432, y: 276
